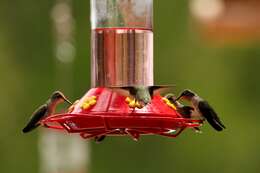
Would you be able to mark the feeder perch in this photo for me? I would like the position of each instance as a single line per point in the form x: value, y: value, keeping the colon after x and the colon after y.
x: 122, y: 55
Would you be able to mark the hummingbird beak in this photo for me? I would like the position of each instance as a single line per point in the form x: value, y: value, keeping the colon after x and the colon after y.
x: 66, y: 100
x: 178, y: 98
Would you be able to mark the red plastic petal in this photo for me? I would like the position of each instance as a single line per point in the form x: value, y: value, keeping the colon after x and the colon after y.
x: 109, y: 114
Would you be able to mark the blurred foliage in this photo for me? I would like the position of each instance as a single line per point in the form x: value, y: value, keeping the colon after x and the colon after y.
x: 227, y: 76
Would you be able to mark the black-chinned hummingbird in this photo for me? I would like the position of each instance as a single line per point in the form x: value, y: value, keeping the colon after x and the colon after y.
x: 142, y: 94
x: 185, y: 111
x: 45, y: 110
x: 203, y: 108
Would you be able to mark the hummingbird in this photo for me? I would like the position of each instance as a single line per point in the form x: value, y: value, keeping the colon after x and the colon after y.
x: 203, y: 108
x: 45, y: 110
x: 142, y: 94
x: 185, y: 111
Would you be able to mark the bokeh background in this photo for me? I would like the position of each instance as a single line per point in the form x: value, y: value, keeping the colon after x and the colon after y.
x: 226, y: 74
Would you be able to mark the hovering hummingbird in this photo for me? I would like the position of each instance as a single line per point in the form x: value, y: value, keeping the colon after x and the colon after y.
x: 142, y: 94
x: 185, y: 111
x: 203, y: 108
x: 44, y: 110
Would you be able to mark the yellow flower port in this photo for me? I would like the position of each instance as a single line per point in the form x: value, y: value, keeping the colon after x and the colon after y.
x: 169, y: 103
x: 133, y: 103
x: 90, y: 101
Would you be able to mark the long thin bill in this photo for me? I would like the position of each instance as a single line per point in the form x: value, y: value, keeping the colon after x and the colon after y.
x: 66, y: 100
x: 178, y: 98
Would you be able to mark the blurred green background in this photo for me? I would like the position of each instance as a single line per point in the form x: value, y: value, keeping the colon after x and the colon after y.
x: 227, y: 76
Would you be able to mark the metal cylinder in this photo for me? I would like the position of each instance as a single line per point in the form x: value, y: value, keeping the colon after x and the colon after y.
x: 122, y: 42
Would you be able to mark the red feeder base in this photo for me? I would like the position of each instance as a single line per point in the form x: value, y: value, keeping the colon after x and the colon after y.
x: 104, y: 112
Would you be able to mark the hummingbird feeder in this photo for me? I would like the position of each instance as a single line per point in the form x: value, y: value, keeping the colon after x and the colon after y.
x: 122, y: 55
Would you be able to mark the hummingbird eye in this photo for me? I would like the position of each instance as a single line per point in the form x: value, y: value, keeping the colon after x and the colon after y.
x: 57, y: 95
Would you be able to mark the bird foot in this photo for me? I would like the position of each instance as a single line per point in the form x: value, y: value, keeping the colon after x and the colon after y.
x: 197, y: 130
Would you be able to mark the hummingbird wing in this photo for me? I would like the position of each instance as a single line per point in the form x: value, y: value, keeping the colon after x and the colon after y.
x: 35, y: 118
x: 158, y: 89
x: 124, y: 90
x: 211, y: 116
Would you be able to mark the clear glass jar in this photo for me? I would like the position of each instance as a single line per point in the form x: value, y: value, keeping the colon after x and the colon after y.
x: 122, y: 42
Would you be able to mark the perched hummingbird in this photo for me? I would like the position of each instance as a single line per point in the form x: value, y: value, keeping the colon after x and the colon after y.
x: 44, y: 110
x: 185, y: 111
x: 203, y: 108
x: 142, y: 94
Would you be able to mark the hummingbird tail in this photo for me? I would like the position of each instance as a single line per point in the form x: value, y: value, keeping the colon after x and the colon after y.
x: 29, y: 128
x: 221, y: 124
x: 215, y: 125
